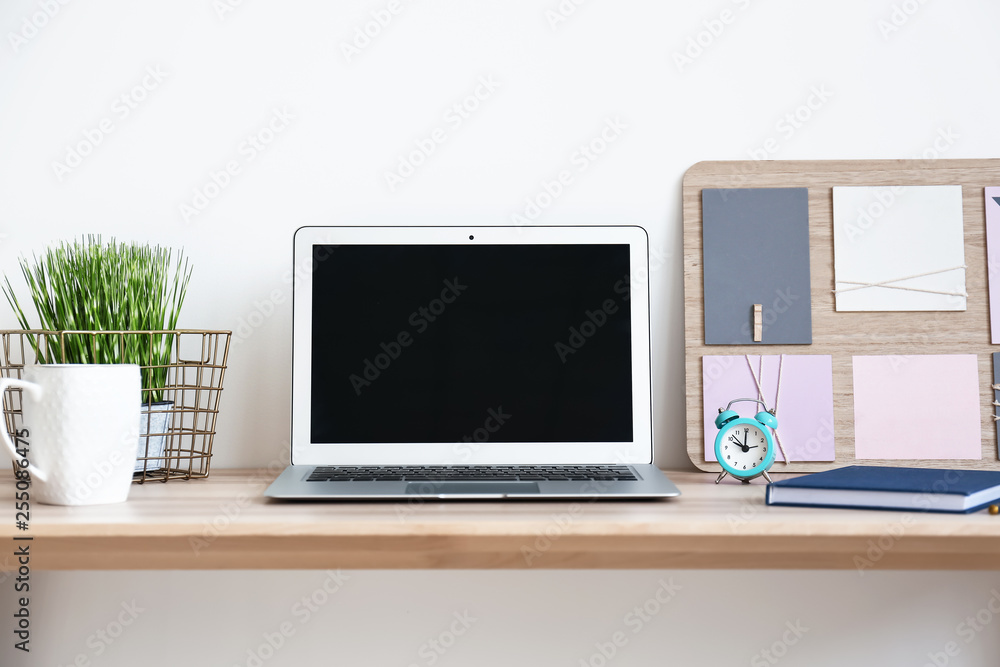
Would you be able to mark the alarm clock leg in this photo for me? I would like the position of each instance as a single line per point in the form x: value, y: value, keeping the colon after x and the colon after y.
x: 720, y: 477
x: 767, y: 477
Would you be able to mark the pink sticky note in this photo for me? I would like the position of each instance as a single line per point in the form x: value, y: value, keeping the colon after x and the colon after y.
x: 993, y: 258
x: 917, y: 407
x: 804, y: 403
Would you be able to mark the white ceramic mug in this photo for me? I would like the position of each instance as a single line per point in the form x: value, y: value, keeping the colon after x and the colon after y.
x: 81, y: 425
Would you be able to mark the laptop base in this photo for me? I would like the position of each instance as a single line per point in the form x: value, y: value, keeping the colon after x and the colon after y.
x: 650, y: 483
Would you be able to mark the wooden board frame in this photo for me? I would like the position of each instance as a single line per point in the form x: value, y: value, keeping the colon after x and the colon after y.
x: 845, y: 334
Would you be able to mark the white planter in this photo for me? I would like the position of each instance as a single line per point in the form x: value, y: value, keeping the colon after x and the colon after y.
x: 154, y: 424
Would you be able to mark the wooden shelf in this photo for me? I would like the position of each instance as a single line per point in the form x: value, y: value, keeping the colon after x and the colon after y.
x: 223, y: 523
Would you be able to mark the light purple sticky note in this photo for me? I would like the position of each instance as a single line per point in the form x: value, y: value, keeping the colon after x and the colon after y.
x: 804, y: 403
x: 993, y: 258
x: 923, y: 406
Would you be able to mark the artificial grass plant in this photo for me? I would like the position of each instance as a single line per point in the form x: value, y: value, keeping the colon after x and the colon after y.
x: 87, y: 285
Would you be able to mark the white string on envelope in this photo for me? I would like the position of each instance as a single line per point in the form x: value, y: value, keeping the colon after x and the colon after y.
x: 996, y: 387
x: 887, y: 284
x: 777, y: 394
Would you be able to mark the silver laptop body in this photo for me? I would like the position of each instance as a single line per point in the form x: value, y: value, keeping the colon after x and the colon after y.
x: 471, y: 363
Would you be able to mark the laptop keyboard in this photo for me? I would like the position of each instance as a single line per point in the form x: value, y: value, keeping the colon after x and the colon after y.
x: 470, y: 473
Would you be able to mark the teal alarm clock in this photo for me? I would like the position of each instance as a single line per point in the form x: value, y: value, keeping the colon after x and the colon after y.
x: 744, y: 446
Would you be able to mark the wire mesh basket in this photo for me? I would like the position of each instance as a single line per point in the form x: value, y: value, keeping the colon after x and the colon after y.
x: 182, y: 373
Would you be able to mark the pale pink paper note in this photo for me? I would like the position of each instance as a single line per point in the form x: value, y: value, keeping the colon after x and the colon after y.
x: 805, y: 404
x: 993, y: 259
x: 917, y: 407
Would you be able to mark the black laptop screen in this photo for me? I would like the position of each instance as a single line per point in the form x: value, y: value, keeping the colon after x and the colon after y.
x: 451, y: 343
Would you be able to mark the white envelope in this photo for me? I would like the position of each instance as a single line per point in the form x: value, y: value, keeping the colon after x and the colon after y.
x: 899, y: 248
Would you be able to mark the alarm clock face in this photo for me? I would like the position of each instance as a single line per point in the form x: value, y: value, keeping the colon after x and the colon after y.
x: 744, y: 448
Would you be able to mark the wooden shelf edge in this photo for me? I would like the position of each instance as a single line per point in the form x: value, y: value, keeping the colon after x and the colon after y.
x: 526, y: 553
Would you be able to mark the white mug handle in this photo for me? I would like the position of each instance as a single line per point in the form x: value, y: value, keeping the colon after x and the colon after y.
x: 36, y: 391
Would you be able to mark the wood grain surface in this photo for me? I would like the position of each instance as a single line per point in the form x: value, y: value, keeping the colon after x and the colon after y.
x: 224, y: 522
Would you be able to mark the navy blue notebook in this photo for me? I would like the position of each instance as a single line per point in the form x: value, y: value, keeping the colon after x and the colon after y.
x: 890, y: 488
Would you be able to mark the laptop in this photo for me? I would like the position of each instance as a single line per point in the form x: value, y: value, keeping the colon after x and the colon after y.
x: 471, y: 363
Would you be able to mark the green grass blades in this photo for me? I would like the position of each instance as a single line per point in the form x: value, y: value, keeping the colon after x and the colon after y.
x: 87, y: 285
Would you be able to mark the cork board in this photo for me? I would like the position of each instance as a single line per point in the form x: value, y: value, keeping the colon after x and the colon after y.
x: 845, y: 334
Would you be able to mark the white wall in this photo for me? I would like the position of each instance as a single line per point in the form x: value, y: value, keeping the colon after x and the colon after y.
x: 877, y: 91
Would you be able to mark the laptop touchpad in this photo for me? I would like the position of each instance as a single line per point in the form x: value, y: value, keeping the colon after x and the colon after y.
x: 470, y: 488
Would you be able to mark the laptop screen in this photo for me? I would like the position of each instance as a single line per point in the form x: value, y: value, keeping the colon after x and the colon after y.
x: 452, y: 343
